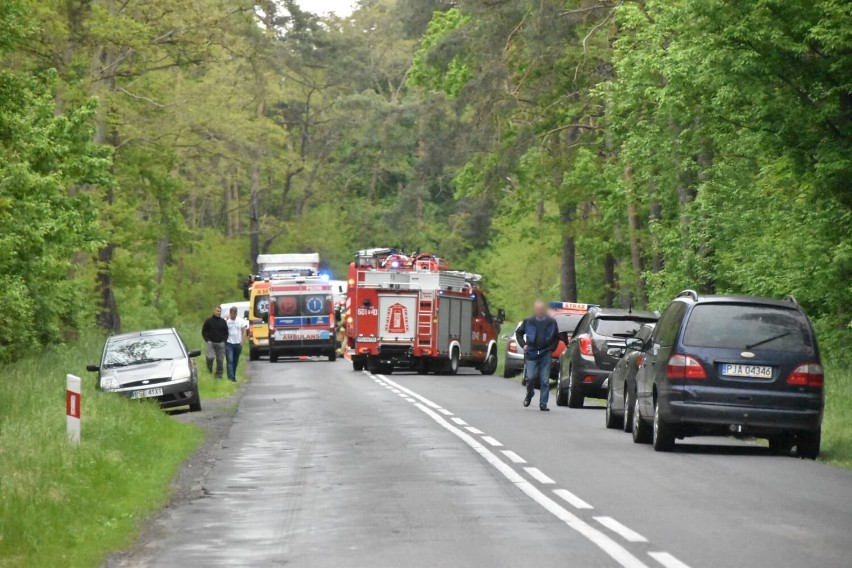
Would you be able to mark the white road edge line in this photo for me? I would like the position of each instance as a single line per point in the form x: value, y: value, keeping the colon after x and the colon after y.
x: 492, y: 441
x: 459, y: 421
x: 473, y: 430
x: 513, y: 457
x: 422, y: 399
x: 572, y: 499
x: 667, y: 560
x: 538, y: 475
x: 626, y: 533
x: 595, y: 536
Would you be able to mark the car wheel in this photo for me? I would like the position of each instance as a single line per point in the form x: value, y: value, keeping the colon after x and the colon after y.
x: 490, y: 363
x: 641, y: 430
x: 575, y: 399
x: 780, y: 444
x: 627, y: 413
x: 357, y: 364
x: 807, y: 445
x: 195, y: 405
x: 508, y: 373
x: 273, y: 357
x: 613, y: 421
x: 664, y: 438
x: 561, y: 395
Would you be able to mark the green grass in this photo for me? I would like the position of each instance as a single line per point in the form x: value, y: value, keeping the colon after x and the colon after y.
x: 208, y: 386
x: 64, y: 506
x: 837, y: 422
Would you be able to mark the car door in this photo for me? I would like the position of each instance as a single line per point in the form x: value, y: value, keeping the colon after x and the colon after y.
x: 657, y: 355
x: 571, y: 352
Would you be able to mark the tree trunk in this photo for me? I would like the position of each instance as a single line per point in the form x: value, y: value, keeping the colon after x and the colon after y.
x: 633, y: 231
x: 656, y: 217
x: 568, y: 266
x: 162, y: 256
x: 610, y: 280
x: 254, y: 215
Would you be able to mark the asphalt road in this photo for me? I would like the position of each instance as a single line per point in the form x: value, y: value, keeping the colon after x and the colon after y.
x: 326, y: 467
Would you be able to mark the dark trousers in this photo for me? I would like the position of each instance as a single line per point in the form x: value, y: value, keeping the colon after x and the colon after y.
x: 232, y: 355
x: 538, y: 371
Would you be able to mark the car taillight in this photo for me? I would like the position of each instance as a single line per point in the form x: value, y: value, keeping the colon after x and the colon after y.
x: 807, y: 375
x: 685, y: 367
x: 513, y: 346
x: 586, y: 345
x: 639, y: 360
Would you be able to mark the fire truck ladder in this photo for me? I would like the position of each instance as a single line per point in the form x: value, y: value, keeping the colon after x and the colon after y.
x: 424, y: 321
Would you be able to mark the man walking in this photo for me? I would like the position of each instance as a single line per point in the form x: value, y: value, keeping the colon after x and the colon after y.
x: 237, y: 327
x: 215, y: 333
x: 538, y: 336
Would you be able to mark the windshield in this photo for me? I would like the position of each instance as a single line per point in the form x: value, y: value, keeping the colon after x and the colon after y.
x: 765, y: 328
x: 294, y: 305
x: 122, y: 352
x: 567, y: 322
x: 617, y: 327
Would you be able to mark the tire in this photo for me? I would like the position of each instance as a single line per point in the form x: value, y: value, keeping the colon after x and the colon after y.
x: 452, y: 366
x: 509, y: 373
x: 663, y: 433
x: 613, y: 421
x: 489, y: 366
x: 195, y: 405
x: 575, y: 399
x: 807, y: 445
x: 423, y: 367
x: 273, y: 357
x: 641, y: 429
x: 254, y: 354
x: 780, y: 444
x: 357, y: 364
x: 332, y: 357
x: 627, y: 416
x: 561, y: 395
x: 386, y: 369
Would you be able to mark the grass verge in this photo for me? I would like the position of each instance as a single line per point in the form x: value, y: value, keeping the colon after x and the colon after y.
x: 837, y: 422
x: 208, y: 386
x: 64, y: 506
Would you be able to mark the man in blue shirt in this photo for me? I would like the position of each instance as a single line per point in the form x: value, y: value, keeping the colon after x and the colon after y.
x: 538, y: 336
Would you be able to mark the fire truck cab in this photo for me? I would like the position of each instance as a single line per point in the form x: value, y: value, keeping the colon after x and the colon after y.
x: 301, y: 318
x: 415, y: 313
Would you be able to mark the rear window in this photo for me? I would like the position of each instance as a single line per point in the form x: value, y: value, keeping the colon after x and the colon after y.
x: 294, y: 305
x: 567, y: 322
x: 737, y: 326
x: 612, y: 327
x: 261, y: 305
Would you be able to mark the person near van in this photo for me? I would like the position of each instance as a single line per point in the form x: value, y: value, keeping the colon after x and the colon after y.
x: 538, y: 336
x: 215, y: 334
x: 237, y: 327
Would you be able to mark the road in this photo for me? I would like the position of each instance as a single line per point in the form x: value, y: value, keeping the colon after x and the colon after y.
x: 327, y: 467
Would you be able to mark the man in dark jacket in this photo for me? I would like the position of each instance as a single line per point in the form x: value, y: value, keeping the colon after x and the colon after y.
x: 215, y: 333
x: 539, y: 337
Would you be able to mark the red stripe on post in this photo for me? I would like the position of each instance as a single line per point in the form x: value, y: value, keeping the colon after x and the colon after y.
x: 73, y: 401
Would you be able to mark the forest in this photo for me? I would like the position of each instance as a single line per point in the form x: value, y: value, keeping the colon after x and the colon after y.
x: 602, y: 151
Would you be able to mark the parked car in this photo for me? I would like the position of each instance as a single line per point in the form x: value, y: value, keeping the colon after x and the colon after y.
x: 622, y: 383
x: 567, y: 316
x: 150, y: 364
x: 730, y: 365
x: 242, y: 309
x: 593, y: 352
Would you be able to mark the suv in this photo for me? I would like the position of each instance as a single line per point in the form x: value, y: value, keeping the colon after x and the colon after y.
x: 595, y: 348
x: 730, y: 365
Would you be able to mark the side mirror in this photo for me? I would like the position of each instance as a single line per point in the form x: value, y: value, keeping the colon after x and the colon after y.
x: 93, y: 368
x: 245, y: 314
x: 635, y: 343
x: 194, y: 353
x: 501, y: 315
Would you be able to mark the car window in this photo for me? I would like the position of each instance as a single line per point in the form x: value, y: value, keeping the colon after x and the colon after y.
x: 567, y: 322
x: 582, y: 327
x: 666, y: 330
x: 122, y: 352
x: 617, y: 327
x: 294, y: 305
x: 737, y: 326
x: 261, y: 304
x: 486, y: 313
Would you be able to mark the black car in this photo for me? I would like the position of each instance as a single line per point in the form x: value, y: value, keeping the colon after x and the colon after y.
x: 594, y: 350
x: 730, y: 365
x: 622, y: 383
x: 154, y: 364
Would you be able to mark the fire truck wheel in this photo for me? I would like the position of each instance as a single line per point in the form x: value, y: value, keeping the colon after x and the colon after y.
x: 357, y: 365
x: 489, y: 366
x: 386, y: 369
x: 452, y: 366
x: 423, y: 367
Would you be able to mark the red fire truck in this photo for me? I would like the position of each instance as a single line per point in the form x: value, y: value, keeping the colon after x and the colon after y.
x: 301, y: 318
x: 413, y: 312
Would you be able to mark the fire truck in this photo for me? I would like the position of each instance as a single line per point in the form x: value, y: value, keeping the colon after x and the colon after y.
x: 256, y: 289
x: 412, y: 312
x: 301, y: 318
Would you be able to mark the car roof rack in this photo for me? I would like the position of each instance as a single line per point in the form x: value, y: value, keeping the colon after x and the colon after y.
x: 792, y: 299
x: 691, y: 293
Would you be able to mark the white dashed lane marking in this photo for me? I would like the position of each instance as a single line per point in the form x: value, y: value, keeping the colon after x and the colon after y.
x: 513, y: 457
x: 538, y: 475
x: 572, y: 499
x: 459, y: 421
x: 667, y: 560
x: 626, y: 533
x: 473, y: 430
x: 492, y: 441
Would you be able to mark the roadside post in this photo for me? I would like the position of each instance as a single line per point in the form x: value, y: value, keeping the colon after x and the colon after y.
x: 73, y: 402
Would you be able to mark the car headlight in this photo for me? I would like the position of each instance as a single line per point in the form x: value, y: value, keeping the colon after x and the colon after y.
x: 181, y: 373
x: 109, y: 383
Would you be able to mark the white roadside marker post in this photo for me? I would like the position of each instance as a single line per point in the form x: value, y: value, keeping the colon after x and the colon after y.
x: 73, y: 402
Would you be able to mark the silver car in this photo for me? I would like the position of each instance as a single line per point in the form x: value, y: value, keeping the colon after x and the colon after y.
x: 152, y: 364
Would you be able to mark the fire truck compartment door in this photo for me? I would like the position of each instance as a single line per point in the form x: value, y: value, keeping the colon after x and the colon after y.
x: 455, y: 317
x: 397, y: 317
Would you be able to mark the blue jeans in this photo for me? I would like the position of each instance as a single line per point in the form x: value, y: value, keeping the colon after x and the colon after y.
x: 538, y: 370
x: 232, y: 355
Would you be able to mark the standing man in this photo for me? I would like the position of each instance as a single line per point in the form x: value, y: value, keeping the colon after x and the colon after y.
x: 539, y: 336
x: 237, y: 327
x: 215, y: 333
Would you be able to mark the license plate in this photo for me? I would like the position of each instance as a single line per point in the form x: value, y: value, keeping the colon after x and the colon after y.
x: 146, y: 393
x: 749, y: 371
x: 263, y: 342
